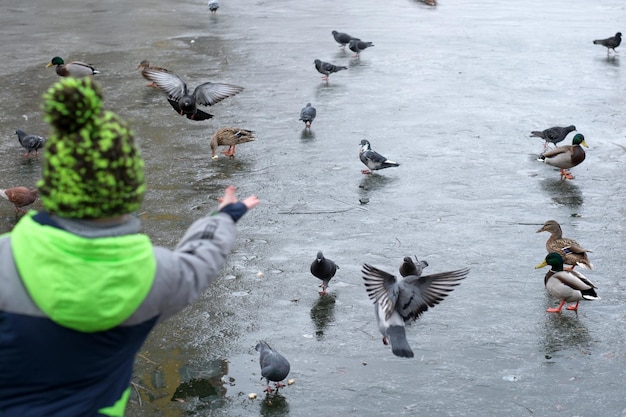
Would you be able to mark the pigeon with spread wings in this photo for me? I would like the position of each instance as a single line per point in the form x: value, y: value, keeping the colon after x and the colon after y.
x: 400, y: 300
x: 206, y: 94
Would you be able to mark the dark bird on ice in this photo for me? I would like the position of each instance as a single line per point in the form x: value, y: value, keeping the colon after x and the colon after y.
x: 357, y: 46
x: 206, y: 94
x: 274, y: 366
x: 32, y: 143
x: 324, y: 269
x: 307, y: 114
x: 553, y: 135
x: 326, y: 68
x: 397, y: 301
x: 372, y: 159
x: 610, y: 43
x: 342, y: 38
x: 20, y: 197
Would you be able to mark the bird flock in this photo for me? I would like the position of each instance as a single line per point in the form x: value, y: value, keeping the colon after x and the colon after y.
x: 397, y: 300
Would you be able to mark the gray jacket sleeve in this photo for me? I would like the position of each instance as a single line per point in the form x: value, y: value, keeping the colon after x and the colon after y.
x: 182, y: 275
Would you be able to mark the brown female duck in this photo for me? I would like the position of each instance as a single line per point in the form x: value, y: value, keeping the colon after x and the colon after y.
x: 571, y: 252
x: 231, y: 137
x: 144, y: 65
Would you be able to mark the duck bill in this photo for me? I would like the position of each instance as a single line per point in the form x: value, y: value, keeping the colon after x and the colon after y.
x: 49, y: 65
x: 584, y: 144
x: 542, y: 264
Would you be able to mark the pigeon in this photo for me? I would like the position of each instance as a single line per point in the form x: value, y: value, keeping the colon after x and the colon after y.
x: 274, y: 366
x: 32, y: 143
x: 570, y: 250
x: 553, y: 135
x: 409, y: 267
x: 213, y: 6
x: 307, y: 115
x: 327, y: 68
x: 231, y: 137
x: 567, y: 286
x: 72, y: 69
x: 398, y: 301
x: 610, y: 43
x: 357, y: 46
x: 206, y: 94
x: 566, y: 157
x: 20, y: 197
x: 144, y: 65
x: 342, y: 38
x: 323, y: 269
x: 372, y: 159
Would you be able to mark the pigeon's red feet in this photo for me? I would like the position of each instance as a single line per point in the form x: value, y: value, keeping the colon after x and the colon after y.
x: 366, y: 171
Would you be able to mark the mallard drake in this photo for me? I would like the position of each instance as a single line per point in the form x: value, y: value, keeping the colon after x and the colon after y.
x: 185, y: 104
x: 20, y: 197
x: 553, y: 135
x: 326, y: 68
x: 610, y: 43
x: 72, y: 69
x: 372, y: 159
x: 231, y: 137
x: 324, y: 269
x: 567, y: 286
x: 571, y: 252
x: 32, y: 143
x: 145, y: 64
x: 566, y: 157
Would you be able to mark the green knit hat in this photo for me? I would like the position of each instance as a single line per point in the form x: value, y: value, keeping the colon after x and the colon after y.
x: 92, y: 167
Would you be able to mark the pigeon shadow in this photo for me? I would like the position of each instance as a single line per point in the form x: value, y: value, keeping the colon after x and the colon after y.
x: 274, y: 404
x: 323, y: 313
x: 563, y: 192
x: 611, y: 60
x: 564, y: 331
x: 373, y: 182
x: 307, y: 134
x: 207, y: 386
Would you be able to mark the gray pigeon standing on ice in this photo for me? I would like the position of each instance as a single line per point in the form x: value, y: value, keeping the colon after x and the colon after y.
x: 372, y: 159
x: 324, y: 269
x: 32, y: 143
x: 274, y: 366
x: 553, y: 135
x: 327, y: 68
x: 357, y: 46
x: 342, y: 38
x: 610, y: 43
x: 307, y: 114
x: 397, y: 301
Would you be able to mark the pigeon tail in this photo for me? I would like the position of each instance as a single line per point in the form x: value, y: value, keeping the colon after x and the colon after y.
x: 399, y: 345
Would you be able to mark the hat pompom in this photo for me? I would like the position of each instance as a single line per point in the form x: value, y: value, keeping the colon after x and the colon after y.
x: 72, y: 103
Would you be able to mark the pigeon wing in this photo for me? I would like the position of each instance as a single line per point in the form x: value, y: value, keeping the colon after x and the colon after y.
x: 210, y: 93
x: 382, y: 288
x: 419, y: 293
x: 169, y: 82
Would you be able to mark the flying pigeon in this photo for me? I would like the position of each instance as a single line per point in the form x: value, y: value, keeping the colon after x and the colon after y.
x: 409, y: 267
x: 398, y: 301
x: 32, y: 143
x: 20, y: 197
x: 372, y: 159
x: 323, y: 269
x: 213, y: 6
x: 610, y: 43
x: 274, y: 366
x: 326, y: 68
x: 553, y: 135
x: 307, y: 114
x: 357, y: 46
x: 342, y: 38
x: 206, y: 94
x: 145, y: 65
